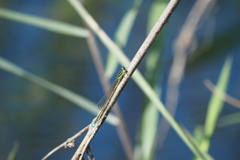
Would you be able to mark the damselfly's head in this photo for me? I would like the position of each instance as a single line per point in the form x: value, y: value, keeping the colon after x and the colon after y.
x: 123, y: 69
x: 121, y: 74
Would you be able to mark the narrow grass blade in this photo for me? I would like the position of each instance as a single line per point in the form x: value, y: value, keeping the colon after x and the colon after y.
x: 229, y: 120
x: 44, y: 23
x: 198, y: 133
x: 122, y: 35
x: 145, y: 148
x: 12, y: 154
x: 215, y: 105
x: 195, y: 146
x: 65, y: 93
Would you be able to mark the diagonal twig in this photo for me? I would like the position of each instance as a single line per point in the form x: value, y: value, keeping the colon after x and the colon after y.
x: 68, y: 143
x: 132, y: 67
x: 185, y: 136
x: 121, y: 127
x: 227, y: 98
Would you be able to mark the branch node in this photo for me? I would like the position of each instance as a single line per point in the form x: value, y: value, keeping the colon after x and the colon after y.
x: 69, y: 143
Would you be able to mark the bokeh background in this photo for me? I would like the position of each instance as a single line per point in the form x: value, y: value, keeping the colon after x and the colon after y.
x: 39, y: 120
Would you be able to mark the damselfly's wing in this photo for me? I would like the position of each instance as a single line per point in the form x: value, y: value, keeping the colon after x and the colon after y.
x: 108, y: 95
x: 110, y: 92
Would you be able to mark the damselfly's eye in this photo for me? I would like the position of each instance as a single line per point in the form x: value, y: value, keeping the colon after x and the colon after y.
x: 123, y: 69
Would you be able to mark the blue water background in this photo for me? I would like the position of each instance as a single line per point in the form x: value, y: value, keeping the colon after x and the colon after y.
x: 40, y: 120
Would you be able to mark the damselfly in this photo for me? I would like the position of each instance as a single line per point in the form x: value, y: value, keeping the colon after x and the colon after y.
x: 103, y: 103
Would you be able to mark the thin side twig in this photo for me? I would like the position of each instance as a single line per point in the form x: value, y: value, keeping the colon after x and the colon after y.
x: 224, y: 96
x: 68, y: 143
